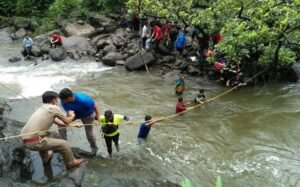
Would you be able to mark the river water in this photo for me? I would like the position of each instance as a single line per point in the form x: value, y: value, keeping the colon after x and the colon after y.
x: 249, y: 137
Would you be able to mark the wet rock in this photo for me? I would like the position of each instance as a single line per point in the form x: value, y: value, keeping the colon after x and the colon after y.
x: 85, y: 30
x: 168, y: 59
x: 120, y: 62
x: 45, y: 47
x: 20, y: 34
x: 110, y: 28
x: 57, y: 54
x: 98, y: 20
x: 114, y: 16
x: 40, y: 39
x: 97, y: 38
x: 80, y: 22
x: 14, y: 59
x: 80, y: 44
x: 109, y: 48
x: 73, y: 54
x: 9, y: 30
x: 192, y: 70
x: 111, y: 58
x: 36, y: 51
x: 21, y: 22
x: 5, y: 38
x: 163, y: 49
x: 118, y: 41
x: 171, y: 76
x: 102, y: 43
x: 139, y: 60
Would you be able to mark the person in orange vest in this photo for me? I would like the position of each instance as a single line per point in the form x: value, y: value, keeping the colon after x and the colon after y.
x: 179, y: 85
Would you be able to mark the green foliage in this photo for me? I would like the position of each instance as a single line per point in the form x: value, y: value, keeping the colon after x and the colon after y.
x: 7, y: 7
x: 32, y: 7
x: 263, y: 31
x: 104, y: 5
x: 63, y: 7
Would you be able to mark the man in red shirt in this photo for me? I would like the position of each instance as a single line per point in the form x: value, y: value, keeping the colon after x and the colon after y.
x: 56, y: 40
x: 181, y: 105
x: 157, y: 36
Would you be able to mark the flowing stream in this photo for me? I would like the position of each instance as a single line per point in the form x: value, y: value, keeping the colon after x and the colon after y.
x: 249, y: 137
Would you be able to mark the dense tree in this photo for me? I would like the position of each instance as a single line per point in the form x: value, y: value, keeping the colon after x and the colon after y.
x: 104, y: 5
x: 32, y: 7
x: 7, y: 7
x: 265, y: 31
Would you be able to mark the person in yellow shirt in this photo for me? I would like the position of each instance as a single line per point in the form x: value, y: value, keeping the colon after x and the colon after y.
x: 110, y: 128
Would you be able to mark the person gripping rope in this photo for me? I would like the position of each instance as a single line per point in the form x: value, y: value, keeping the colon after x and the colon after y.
x: 145, y: 128
x: 110, y: 129
x: 41, y: 120
x: 85, y: 109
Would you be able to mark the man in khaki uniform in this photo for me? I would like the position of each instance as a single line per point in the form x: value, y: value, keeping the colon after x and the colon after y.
x: 41, y: 120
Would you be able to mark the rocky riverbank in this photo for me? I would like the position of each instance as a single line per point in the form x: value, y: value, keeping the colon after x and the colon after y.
x: 22, y: 168
x: 103, y: 39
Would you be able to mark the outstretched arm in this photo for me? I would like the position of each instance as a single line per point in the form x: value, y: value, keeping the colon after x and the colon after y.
x: 97, y: 111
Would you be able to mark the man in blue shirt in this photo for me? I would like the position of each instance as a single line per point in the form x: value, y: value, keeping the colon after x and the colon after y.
x: 27, y: 43
x: 85, y: 109
x: 145, y: 128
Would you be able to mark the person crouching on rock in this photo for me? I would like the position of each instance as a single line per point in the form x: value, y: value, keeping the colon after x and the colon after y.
x: 27, y: 43
x: 110, y: 128
x: 56, y: 40
x: 35, y: 138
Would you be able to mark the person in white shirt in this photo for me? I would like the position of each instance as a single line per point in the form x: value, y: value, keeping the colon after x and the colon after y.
x: 144, y: 35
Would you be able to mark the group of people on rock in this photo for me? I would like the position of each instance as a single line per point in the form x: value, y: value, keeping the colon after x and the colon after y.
x: 77, y: 106
x: 168, y: 34
x: 55, y: 41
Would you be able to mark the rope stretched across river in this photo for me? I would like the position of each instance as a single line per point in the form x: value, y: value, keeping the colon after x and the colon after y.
x: 155, y: 120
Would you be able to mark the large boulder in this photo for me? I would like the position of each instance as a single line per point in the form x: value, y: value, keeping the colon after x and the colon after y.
x: 5, y: 38
x: 57, y: 54
x: 139, y: 60
x: 118, y: 40
x: 73, y: 54
x: 99, y: 37
x: 76, y: 29
x: 21, y: 22
x: 102, y: 43
x: 98, y: 20
x: 111, y: 58
x: 9, y: 30
x: 20, y: 34
x: 109, y: 48
x: 80, y: 44
x: 36, y: 51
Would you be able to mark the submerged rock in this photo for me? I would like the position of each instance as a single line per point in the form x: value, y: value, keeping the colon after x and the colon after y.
x: 14, y: 59
x: 5, y: 38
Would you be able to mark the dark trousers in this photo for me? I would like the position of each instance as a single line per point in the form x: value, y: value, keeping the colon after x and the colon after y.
x: 109, y: 140
x: 27, y: 51
x: 88, y: 131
